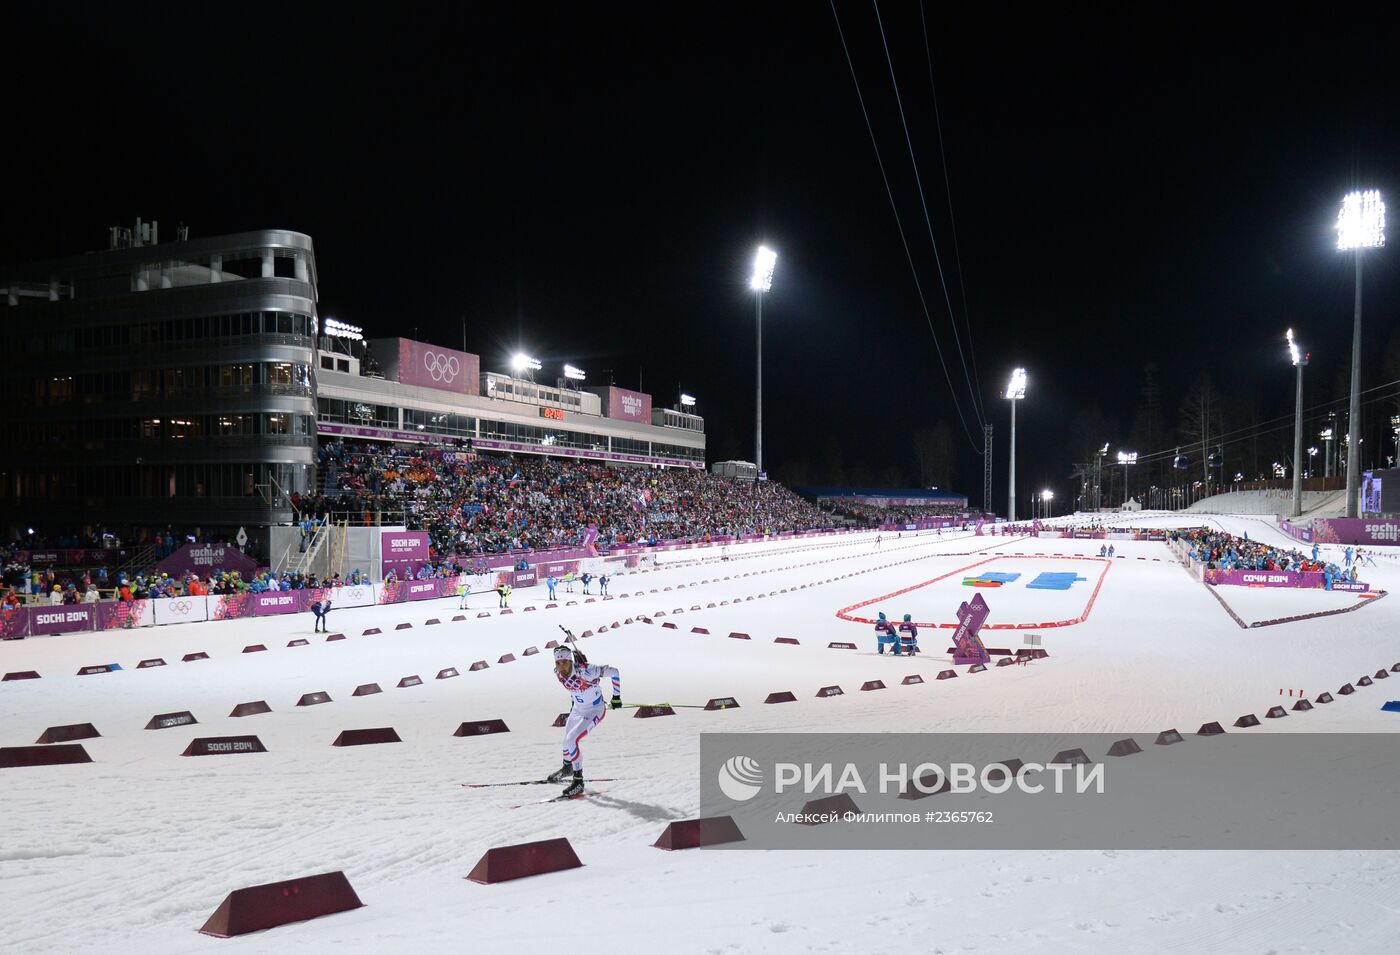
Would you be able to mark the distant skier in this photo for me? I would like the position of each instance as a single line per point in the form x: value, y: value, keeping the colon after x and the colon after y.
x: 463, y: 592
x: 877, y: 541
x: 587, y: 579
x: 503, y: 592
x: 1347, y: 555
x: 582, y: 681
x: 1110, y: 550
x: 551, y: 583
x: 603, y: 585
x: 322, y: 609
x: 1315, y: 553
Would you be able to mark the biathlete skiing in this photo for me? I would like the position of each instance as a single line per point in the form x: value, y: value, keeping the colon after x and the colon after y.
x: 582, y: 680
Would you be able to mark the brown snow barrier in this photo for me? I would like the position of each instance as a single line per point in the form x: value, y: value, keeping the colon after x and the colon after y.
x: 166, y: 720
x: 414, y: 680
x: 785, y: 696
x: 699, y: 630
x: 722, y: 703
x: 554, y: 644
x: 1325, y: 698
x: 735, y: 635
x: 153, y: 662
x: 696, y: 607
x: 788, y: 640
x: 833, y: 806
x: 1302, y: 706
x: 1275, y: 712
x: 947, y: 675
x: 1006, y: 662
x: 668, y: 625
x: 840, y: 646
x: 255, y: 648
x: 251, y: 709
x: 1382, y: 675
x: 482, y: 614
x: 1071, y: 756
x: 458, y: 618
x: 367, y: 689
x: 645, y: 712
x: 447, y: 674
x: 99, y: 668
x: 379, y: 734
x: 693, y: 833
x: 831, y: 691
x: 977, y: 668
x: 223, y: 746
x: 479, y: 665
x: 1124, y: 747
x: 404, y: 626
x: 530, y: 651
x: 1395, y: 668
x: 1364, y: 681
x: 21, y: 675
x: 370, y: 632
x: 431, y: 622
x: 1346, y: 690
x: 66, y: 734
x: 191, y: 657
x: 1167, y: 737
x: 561, y: 719
x: 334, y: 636
x: 1210, y: 729
x: 873, y: 685
x: 13, y: 757
x: 507, y: 658
x: 311, y: 699
x: 912, y: 679
x: 505, y: 863
x: 298, y: 643
x: 260, y: 907
x: 482, y: 728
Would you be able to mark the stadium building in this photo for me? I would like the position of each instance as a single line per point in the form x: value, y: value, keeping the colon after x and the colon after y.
x: 187, y: 384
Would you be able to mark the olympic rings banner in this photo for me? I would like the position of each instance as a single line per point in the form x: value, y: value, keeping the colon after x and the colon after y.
x: 429, y: 366
x: 180, y: 610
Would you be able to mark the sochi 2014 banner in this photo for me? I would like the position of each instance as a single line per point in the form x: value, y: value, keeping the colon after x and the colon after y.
x: 72, y: 618
x: 403, y: 590
x: 1356, y: 530
x: 1308, y: 580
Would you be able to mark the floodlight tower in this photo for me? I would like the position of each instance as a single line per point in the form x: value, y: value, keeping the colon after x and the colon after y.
x: 762, y: 280
x: 1300, y: 361
x: 1015, y: 391
x: 1047, y: 506
x: 1360, y: 226
x: 1126, y: 458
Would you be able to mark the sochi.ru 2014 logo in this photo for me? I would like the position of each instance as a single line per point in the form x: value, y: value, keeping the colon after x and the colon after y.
x: 443, y: 368
x: 740, y: 778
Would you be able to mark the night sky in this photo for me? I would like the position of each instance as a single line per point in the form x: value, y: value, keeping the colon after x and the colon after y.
x: 589, y: 185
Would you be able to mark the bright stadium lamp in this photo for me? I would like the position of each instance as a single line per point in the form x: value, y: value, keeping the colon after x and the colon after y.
x: 765, y: 260
x: 1046, y: 497
x: 1360, y: 226
x: 1015, y: 391
x: 1300, y: 360
x: 687, y: 401
x: 575, y: 373
x: 523, y: 362
x: 1126, y: 458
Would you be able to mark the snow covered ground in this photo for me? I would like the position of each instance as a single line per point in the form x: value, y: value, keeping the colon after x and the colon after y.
x: 135, y: 850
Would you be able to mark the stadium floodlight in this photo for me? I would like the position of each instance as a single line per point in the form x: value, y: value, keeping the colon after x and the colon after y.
x: 1015, y: 391
x: 575, y: 373
x: 1046, y: 497
x: 765, y: 260
x: 334, y: 328
x: 687, y: 401
x: 1360, y: 226
x: 1300, y: 360
x: 523, y: 362
x: 763, y: 264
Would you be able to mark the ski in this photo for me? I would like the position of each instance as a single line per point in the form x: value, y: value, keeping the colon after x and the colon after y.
x: 529, y: 782
x: 542, y: 802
